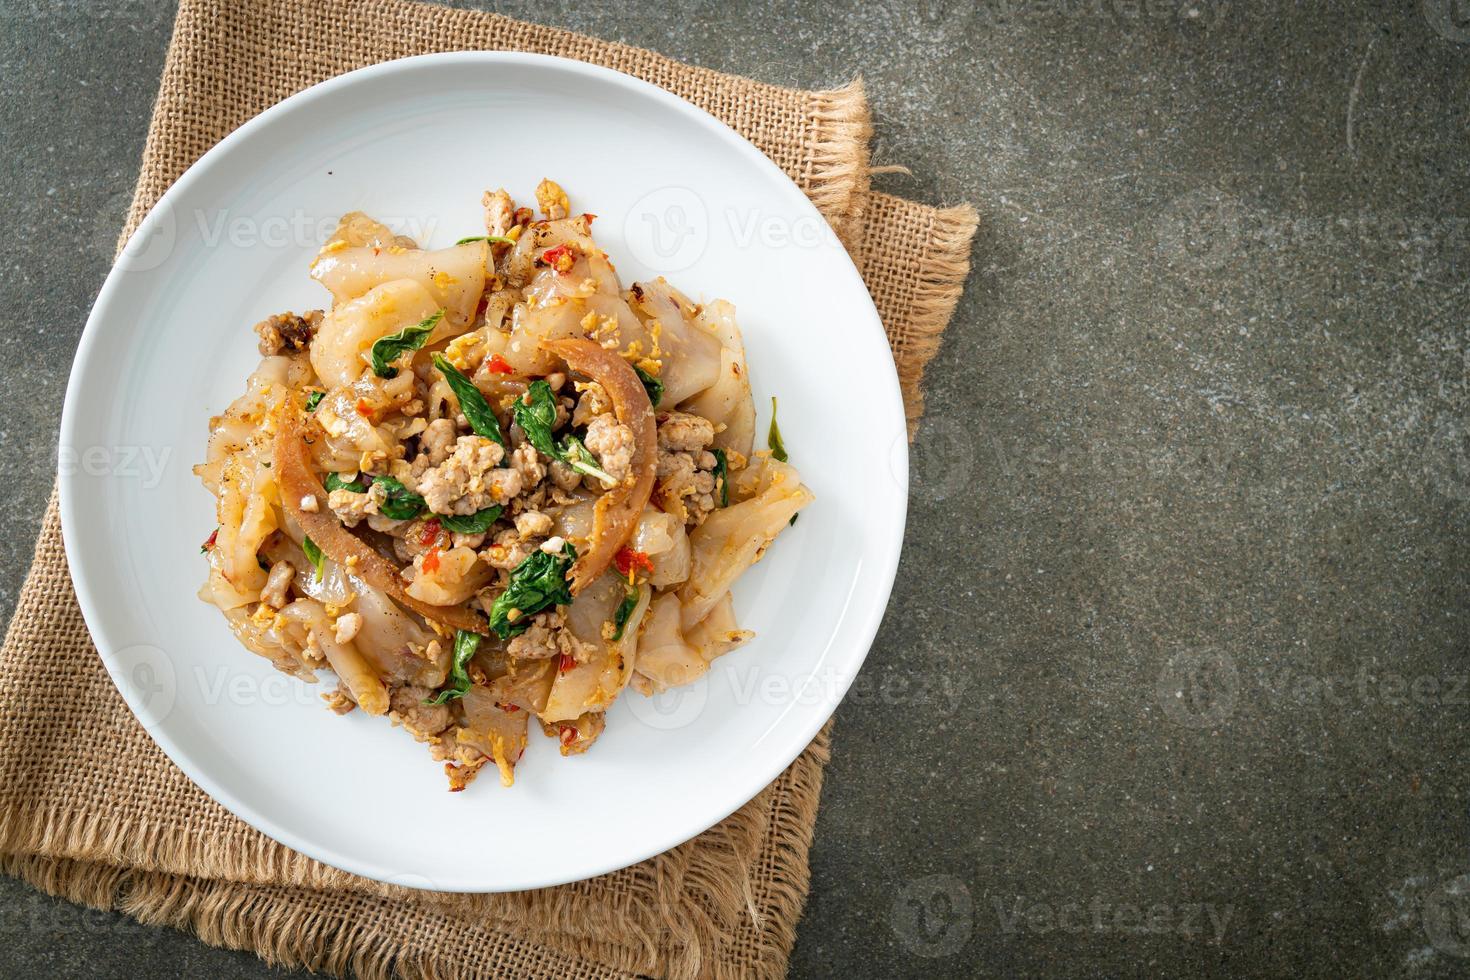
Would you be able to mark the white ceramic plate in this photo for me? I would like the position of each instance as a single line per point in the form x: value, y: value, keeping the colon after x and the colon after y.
x: 415, y: 143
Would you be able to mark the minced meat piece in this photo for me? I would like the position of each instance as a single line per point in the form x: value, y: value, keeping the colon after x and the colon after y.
x: 437, y: 440
x: 538, y: 642
x: 552, y: 199
x: 523, y: 460
x: 499, y: 212
x: 511, y: 547
x: 423, y: 721
x: 469, y: 480
x: 353, y: 507
x: 277, y: 583
x: 564, y: 476
x: 287, y: 332
x: 612, y: 443
x: 684, y: 432
x: 533, y: 523
x: 547, y: 637
x: 339, y: 701
x: 685, y: 485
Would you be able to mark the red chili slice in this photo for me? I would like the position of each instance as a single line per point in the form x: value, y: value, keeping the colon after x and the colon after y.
x: 560, y: 258
x: 499, y: 365
x: 430, y: 533
x: 627, y: 559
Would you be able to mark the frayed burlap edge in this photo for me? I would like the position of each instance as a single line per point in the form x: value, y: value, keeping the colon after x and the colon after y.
x: 251, y: 916
x: 793, y: 833
x: 835, y: 177
x: 942, y: 274
x: 285, y: 928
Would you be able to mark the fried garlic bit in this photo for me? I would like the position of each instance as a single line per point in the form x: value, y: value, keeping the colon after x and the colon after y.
x: 552, y: 199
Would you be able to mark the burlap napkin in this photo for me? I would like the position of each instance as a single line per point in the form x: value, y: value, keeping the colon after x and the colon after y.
x: 91, y: 810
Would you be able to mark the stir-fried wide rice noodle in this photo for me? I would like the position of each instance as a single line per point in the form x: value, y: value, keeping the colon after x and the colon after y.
x: 735, y: 537
x: 347, y: 333
x: 727, y: 402
x: 453, y: 278
x: 671, y: 655
x: 488, y: 485
x: 690, y: 354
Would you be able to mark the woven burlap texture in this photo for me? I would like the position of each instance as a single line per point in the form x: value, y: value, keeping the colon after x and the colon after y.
x: 91, y: 810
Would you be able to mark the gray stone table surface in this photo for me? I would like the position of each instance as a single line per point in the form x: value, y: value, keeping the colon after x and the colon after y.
x: 1174, y: 677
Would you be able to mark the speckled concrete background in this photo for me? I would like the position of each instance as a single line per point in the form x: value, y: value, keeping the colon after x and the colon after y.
x: 1176, y: 675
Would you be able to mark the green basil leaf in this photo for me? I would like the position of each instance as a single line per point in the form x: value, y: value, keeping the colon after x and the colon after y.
x: 465, y: 645
x: 580, y: 458
x: 400, y: 503
x: 536, y: 415
x: 625, y: 609
x: 471, y: 402
x: 652, y: 385
x: 314, y: 555
x: 722, y: 476
x: 314, y: 399
x: 477, y: 523
x: 793, y: 520
x: 393, y: 346
x: 335, y: 482
x: 773, y: 436
x: 493, y: 239
x: 537, y: 583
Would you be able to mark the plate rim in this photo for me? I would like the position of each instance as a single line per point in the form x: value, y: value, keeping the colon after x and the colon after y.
x: 69, y: 487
